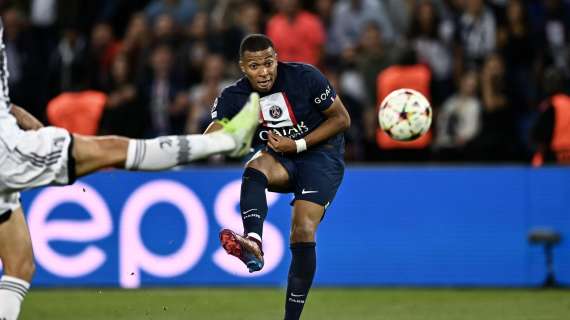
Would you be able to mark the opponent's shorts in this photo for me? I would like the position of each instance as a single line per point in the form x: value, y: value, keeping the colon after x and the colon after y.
x: 314, y: 175
x: 36, y: 158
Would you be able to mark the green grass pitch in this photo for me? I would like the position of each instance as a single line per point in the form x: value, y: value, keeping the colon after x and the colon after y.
x: 324, y: 303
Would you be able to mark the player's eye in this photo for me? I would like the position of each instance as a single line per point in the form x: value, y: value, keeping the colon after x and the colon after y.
x: 268, y: 63
x: 253, y: 66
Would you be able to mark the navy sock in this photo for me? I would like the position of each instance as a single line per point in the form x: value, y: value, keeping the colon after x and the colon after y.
x: 301, y: 273
x: 253, y: 203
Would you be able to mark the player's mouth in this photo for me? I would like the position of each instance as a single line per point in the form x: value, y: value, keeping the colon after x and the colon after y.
x: 264, y: 84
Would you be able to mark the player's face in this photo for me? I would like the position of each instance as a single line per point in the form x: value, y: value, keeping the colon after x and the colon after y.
x: 260, y: 68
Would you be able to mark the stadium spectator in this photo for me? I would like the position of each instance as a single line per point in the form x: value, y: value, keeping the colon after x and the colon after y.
x: 497, y: 140
x: 181, y: 10
x: 165, y: 30
x: 199, y: 43
x: 550, y: 134
x: 163, y: 92
x: 325, y: 9
x: 554, y: 20
x: 371, y: 58
x: 67, y: 67
x: 203, y: 95
x: 428, y: 38
x: 400, y: 13
x: 25, y: 67
x: 103, y: 50
x: 288, y: 30
x: 123, y: 115
x: 519, y: 47
x: 136, y: 43
x: 459, y: 120
x: 351, y: 16
x: 246, y: 19
x: 476, y: 35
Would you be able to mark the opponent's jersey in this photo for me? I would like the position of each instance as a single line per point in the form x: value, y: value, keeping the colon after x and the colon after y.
x: 8, y: 127
x: 293, y: 107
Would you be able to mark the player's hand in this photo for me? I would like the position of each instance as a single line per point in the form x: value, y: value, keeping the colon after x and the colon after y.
x: 281, y: 144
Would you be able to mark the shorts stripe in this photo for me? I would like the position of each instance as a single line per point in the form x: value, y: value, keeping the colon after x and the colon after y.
x: 43, y: 161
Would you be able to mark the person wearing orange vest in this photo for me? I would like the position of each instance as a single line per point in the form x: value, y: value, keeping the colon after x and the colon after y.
x: 551, y: 131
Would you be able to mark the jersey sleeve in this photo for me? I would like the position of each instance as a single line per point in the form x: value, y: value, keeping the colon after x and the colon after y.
x: 227, y: 104
x: 321, y: 92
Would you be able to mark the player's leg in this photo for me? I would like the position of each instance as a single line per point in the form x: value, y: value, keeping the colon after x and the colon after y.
x: 306, y: 218
x: 261, y: 172
x: 94, y: 153
x: 18, y: 262
x: 319, y: 175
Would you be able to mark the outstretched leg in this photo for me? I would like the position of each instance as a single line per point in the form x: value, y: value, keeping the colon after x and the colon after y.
x: 18, y: 263
x: 94, y: 153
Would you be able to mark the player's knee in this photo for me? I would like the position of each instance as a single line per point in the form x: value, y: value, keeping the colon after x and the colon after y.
x: 303, y: 233
x: 21, y: 268
x: 258, y: 164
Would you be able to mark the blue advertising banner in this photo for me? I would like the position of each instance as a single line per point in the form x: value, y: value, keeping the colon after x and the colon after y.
x: 387, y: 226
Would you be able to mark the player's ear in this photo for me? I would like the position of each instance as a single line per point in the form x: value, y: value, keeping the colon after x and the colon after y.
x: 241, y: 66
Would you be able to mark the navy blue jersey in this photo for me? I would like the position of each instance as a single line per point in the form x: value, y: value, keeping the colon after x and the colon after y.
x: 293, y: 107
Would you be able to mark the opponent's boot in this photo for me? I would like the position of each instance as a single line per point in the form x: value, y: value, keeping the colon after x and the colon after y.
x: 243, y: 125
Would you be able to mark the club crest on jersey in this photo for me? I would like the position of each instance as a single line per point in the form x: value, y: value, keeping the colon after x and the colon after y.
x: 275, y: 112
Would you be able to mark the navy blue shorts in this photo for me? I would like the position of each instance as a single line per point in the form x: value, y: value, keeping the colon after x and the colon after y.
x: 314, y: 175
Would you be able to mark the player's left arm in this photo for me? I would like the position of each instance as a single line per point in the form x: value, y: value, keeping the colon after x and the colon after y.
x: 337, y: 120
x: 24, y: 119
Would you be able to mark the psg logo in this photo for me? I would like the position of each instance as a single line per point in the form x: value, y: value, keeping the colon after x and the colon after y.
x: 275, y: 112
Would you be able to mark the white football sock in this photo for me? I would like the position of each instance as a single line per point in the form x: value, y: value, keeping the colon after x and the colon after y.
x: 12, y: 293
x: 167, y: 152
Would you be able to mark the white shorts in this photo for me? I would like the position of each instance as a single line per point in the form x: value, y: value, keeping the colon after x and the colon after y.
x: 34, y: 159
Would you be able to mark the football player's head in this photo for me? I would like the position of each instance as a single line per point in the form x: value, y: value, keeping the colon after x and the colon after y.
x: 258, y: 61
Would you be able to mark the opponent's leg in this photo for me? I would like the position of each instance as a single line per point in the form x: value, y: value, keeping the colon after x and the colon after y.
x: 260, y: 172
x: 18, y: 263
x: 94, y: 153
x: 306, y: 218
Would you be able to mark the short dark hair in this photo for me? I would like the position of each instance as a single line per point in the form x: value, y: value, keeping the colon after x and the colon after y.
x: 255, y: 42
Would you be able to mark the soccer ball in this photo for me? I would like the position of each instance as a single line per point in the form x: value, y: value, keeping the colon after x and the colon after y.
x: 405, y: 115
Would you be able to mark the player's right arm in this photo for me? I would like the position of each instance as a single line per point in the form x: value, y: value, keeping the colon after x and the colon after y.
x: 24, y: 119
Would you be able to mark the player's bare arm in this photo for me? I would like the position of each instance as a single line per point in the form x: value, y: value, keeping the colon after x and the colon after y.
x: 25, y: 120
x: 337, y: 120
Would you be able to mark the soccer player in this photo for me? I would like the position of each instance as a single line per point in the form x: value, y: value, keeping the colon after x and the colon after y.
x: 302, y: 148
x: 32, y: 155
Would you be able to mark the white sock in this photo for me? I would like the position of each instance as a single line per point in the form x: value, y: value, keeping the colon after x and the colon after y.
x: 12, y: 293
x: 255, y: 236
x: 167, y: 152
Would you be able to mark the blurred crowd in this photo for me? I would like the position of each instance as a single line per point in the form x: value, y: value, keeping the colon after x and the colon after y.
x: 162, y: 63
